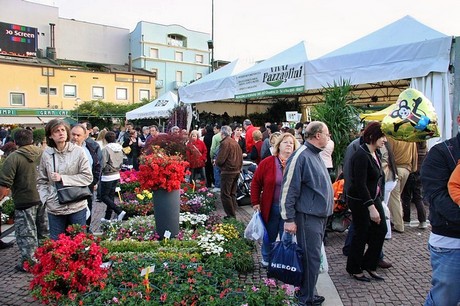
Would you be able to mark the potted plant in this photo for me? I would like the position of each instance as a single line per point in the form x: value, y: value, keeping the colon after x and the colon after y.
x: 163, y: 174
x: 8, y: 209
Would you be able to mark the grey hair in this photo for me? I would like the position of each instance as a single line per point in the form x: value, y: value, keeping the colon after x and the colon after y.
x: 226, y: 130
x: 247, y: 122
x: 313, y: 128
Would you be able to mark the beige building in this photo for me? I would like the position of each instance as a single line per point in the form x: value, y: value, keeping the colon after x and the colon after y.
x: 31, y: 88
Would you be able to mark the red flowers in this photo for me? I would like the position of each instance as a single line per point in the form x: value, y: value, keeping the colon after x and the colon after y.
x: 68, y: 266
x: 162, y: 171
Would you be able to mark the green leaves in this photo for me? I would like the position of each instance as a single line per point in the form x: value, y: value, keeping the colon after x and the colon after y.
x: 341, y: 117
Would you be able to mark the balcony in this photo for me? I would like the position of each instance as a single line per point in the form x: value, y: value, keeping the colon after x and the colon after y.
x: 158, y: 84
x: 178, y: 84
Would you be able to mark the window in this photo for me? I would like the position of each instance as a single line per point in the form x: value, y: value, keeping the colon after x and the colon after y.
x: 122, y: 94
x: 98, y: 93
x: 144, y: 94
x: 199, y: 58
x: 177, y: 40
x: 17, y: 99
x: 179, y: 56
x: 44, y: 91
x: 70, y: 91
x: 198, y: 76
x: 154, y: 52
x: 178, y: 76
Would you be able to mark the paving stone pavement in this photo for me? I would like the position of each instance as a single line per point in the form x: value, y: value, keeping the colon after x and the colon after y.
x: 406, y: 283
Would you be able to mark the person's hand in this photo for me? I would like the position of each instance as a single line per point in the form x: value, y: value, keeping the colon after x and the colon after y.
x: 374, y: 214
x: 55, y: 177
x: 4, y: 191
x: 95, y: 187
x: 290, y: 227
x: 256, y: 207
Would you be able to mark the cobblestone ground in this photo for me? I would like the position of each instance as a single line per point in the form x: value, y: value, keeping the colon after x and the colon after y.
x: 406, y: 283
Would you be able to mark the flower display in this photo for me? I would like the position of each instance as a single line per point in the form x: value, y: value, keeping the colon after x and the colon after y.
x: 212, y: 243
x: 137, y: 228
x: 199, y: 201
x: 68, y: 266
x: 137, y: 203
x: 192, y: 221
x: 162, y: 171
x: 128, y: 181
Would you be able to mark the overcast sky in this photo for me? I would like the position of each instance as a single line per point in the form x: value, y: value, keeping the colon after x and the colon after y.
x: 257, y: 29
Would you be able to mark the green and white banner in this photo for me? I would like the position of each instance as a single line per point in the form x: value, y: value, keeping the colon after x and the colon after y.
x: 276, y: 80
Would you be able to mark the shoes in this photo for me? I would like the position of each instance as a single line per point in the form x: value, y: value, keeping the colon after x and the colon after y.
x: 6, y: 245
x: 384, y: 264
x: 406, y: 223
x: 215, y: 189
x: 397, y: 231
x: 20, y: 268
x: 264, y: 264
x: 375, y: 275
x: 318, y: 300
x: 121, y: 215
x: 361, y: 278
x: 104, y: 220
x: 422, y: 225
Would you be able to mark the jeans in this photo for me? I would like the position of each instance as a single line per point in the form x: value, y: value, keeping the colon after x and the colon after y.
x: 275, y: 227
x: 59, y: 223
x: 108, y: 196
x: 216, y: 177
x: 445, y: 278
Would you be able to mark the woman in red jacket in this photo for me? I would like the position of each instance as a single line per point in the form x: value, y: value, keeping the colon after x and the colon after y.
x: 196, y: 155
x: 266, y: 189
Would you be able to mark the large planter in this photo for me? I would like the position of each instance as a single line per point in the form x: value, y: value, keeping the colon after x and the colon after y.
x: 166, y: 206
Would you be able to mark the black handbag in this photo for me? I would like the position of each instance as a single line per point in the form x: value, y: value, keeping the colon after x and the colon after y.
x: 70, y: 194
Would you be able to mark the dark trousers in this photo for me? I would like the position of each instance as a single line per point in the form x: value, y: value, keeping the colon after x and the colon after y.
x: 108, y: 196
x: 197, y: 172
x: 365, y: 232
x: 412, y: 193
x: 228, y: 185
x: 90, y: 207
x: 209, y: 170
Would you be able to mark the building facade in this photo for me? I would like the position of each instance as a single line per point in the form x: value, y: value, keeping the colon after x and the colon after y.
x: 175, y: 54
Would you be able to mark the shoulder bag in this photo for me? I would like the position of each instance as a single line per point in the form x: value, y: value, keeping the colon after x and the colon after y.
x: 70, y: 194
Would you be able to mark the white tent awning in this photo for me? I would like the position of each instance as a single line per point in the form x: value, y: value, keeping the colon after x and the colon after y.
x: 159, y: 108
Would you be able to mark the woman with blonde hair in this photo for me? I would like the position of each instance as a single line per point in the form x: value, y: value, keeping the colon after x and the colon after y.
x: 256, y: 151
x: 266, y: 189
x: 196, y: 152
x: 101, y: 138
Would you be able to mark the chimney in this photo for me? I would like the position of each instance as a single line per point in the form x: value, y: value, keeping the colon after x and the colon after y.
x: 130, y: 67
x: 51, y: 51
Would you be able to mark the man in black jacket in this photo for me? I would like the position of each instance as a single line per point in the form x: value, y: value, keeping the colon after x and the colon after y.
x: 444, y: 241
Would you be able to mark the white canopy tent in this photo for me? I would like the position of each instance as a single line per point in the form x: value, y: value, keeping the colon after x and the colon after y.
x: 281, y: 74
x: 218, y: 85
x: 159, y: 108
x: 405, y: 49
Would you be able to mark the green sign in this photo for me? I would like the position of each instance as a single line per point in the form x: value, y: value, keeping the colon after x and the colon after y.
x: 271, y: 92
x: 34, y: 112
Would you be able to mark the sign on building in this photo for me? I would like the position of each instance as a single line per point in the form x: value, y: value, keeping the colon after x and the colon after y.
x: 18, y: 40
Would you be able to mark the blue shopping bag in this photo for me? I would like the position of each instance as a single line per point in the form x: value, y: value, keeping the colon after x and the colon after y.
x: 285, y: 262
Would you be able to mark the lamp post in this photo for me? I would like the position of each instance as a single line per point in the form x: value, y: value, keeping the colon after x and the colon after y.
x: 77, y: 101
x: 211, y: 42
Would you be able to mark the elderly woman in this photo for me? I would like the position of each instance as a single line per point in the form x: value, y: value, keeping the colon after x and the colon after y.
x: 365, y: 201
x: 65, y: 162
x: 196, y: 152
x: 266, y: 189
x: 256, y: 151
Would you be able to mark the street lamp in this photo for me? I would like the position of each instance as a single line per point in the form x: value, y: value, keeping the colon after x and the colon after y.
x: 211, y: 42
x: 211, y: 47
x: 77, y: 101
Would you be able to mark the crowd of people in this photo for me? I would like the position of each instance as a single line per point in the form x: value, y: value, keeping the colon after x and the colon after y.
x: 291, y: 187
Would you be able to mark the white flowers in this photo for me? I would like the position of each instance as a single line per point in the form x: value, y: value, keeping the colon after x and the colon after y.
x: 212, y: 243
x: 193, y: 220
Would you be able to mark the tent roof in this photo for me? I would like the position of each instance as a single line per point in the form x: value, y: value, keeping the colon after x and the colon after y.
x: 159, y: 108
x: 293, y: 55
x: 217, y: 85
x: 283, y: 73
x: 403, y: 49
